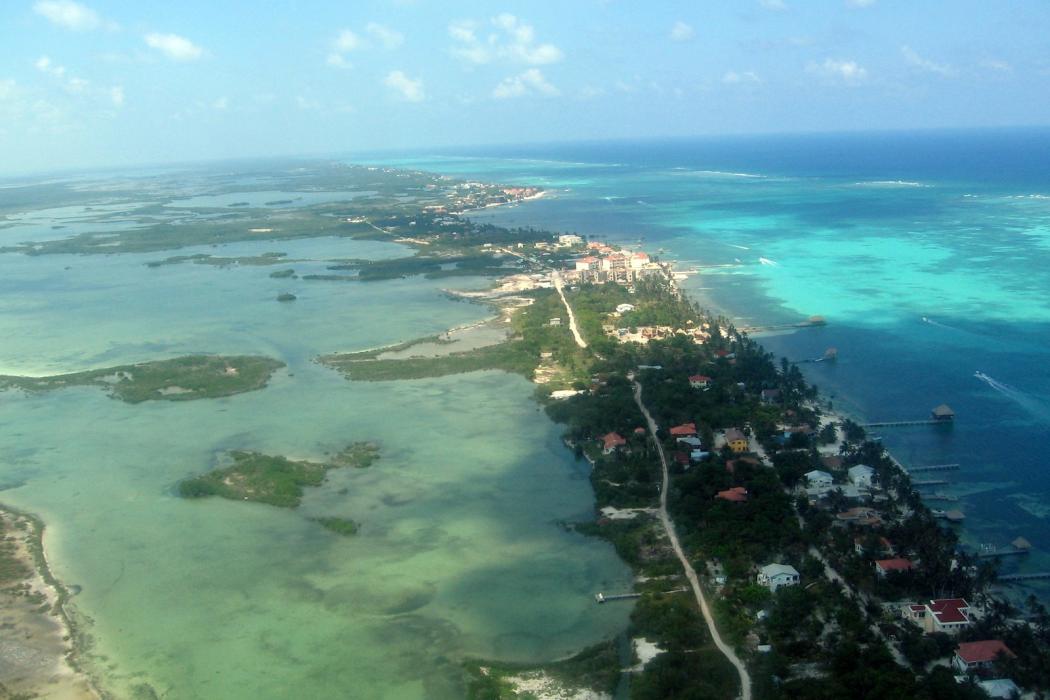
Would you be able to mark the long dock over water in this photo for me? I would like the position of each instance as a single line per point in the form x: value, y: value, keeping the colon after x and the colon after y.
x: 902, y: 423
x: 1024, y: 577
x: 934, y: 468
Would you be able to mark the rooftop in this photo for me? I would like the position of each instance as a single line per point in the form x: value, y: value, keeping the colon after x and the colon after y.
x: 983, y: 651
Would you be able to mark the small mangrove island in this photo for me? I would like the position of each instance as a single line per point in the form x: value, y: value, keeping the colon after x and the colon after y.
x: 178, y: 379
x: 277, y: 480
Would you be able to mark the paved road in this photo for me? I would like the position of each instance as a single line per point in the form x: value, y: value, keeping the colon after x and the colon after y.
x: 694, y: 582
x: 556, y: 279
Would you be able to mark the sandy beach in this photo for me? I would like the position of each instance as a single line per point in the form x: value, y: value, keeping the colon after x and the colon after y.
x: 37, y: 648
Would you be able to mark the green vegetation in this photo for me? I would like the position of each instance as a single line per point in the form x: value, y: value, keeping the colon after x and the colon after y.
x: 253, y: 476
x: 180, y: 379
x: 203, y: 259
x: 275, y: 480
x: 283, y: 274
x: 286, y: 296
x: 340, y: 526
x: 12, y: 568
x: 510, y: 357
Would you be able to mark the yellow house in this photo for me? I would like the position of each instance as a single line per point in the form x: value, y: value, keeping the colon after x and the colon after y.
x: 736, y: 440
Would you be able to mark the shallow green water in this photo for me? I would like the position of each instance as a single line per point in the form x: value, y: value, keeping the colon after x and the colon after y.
x: 460, y: 550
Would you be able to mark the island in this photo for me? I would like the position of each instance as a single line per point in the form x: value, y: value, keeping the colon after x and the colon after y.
x: 277, y: 480
x: 179, y: 379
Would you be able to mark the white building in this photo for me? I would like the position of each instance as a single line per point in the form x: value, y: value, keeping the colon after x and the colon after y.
x: 773, y: 576
x: 819, y: 480
x: 624, y: 308
x: 569, y: 239
x: 861, y: 476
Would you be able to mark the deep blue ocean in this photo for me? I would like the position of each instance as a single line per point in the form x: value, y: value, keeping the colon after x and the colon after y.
x: 928, y: 253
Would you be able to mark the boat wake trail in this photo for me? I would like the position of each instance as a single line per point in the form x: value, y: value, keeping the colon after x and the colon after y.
x: 767, y: 261
x: 927, y: 319
x: 741, y: 247
x: 1039, y: 408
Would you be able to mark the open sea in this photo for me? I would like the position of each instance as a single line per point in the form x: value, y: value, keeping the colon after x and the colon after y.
x: 928, y: 253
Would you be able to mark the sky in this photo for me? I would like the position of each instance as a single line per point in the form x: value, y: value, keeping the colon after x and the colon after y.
x: 117, y: 82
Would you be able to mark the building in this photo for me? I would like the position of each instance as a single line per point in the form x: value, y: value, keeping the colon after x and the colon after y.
x: 773, y: 576
x: 770, y: 395
x: 884, y: 567
x: 624, y: 308
x: 819, y: 480
x: 860, y: 516
x: 861, y: 476
x: 948, y: 615
x: 684, y: 430
x: 693, y: 443
x: 943, y: 412
x: 612, y: 442
x: 588, y: 264
x: 569, y: 239
x: 700, y: 381
x: 736, y: 441
x: 554, y: 322
x: 639, y: 261
x: 974, y: 656
x: 737, y: 494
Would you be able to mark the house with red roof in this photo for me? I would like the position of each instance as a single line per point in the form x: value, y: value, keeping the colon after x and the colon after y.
x: 700, y: 381
x: 683, y: 430
x: 974, y: 656
x: 948, y: 615
x: 883, y: 567
x: 737, y: 494
x: 612, y: 442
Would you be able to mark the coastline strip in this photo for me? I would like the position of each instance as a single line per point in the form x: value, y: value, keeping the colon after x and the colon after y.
x: 694, y: 582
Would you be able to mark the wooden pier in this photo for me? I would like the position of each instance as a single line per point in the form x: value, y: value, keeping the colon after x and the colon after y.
x: 935, y: 468
x: 1019, y: 546
x: 901, y: 423
x: 1024, y: 577
x: 602, y: 598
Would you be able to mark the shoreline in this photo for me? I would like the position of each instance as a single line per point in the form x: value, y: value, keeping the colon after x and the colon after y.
x: 45, y: 659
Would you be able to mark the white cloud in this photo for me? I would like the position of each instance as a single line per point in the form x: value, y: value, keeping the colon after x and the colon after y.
x: 71, y: 15
x: 734, y: 78
x: 847, y: 71
x: 221, y: 104
x: 407, y: 88
x: 337, y: 60
x: 914, y: 59
x: 682, y: 31
x: 527, y: 83
x: 175, y: 47
x: 860, y: 3
x: 347, y: 41
x: 116, y: 95
x: 773, y: 4
x: 589, y: 92
x: 77, y: 85
x: 513, y: 41
x: 386, y: 36
x: 996, y: 64
x: 46, y: 65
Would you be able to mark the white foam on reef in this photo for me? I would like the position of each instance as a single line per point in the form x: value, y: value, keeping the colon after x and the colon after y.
x: 770, y: 263
x: 890, y: 183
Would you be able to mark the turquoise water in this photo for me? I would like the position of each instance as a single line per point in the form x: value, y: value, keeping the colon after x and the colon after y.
x: 461, y: 551
x: 927, y: 253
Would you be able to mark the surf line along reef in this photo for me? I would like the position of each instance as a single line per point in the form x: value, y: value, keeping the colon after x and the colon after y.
x: 811, y: 586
